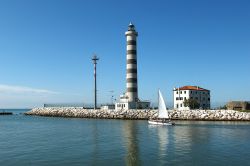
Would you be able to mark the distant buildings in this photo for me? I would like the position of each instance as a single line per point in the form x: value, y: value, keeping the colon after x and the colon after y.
x: 238, y: 105
x: 191, y: 97
x: 108, y: 107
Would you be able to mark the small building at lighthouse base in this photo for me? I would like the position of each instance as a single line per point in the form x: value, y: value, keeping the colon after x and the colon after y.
x: 125, y: 104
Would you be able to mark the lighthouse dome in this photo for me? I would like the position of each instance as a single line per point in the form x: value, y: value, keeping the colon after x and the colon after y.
x: 131, y: 27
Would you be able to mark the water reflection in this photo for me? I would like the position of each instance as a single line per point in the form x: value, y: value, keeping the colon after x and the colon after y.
x: 130, y: 132
x: 178, y: 142
x: 163, y: 135
x: 95, y: 136
x: 190, y: 139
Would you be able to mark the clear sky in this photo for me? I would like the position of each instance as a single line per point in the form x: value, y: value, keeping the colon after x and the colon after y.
x: 46, y: 48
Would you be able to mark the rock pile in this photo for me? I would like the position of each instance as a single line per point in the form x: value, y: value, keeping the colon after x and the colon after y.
x: 223, y: 115
x: 77, y: 112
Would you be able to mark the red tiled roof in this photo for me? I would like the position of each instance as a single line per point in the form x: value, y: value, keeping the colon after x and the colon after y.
x: 191, y: 88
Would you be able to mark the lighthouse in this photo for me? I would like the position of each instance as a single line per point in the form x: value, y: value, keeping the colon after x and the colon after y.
x: 130, y: 99
x: 131, y: 75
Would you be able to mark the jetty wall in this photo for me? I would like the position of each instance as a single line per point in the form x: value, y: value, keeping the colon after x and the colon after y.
x: 76, y: 112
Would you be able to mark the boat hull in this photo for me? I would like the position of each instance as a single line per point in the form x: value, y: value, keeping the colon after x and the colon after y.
x: 158, y: 122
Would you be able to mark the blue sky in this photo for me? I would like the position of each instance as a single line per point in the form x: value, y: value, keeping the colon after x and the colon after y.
x: 46, y: 48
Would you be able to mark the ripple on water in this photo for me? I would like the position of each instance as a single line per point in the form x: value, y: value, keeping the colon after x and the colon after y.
x: 60, y: 141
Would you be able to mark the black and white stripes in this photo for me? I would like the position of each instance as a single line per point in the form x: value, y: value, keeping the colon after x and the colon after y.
x: 132, y: 91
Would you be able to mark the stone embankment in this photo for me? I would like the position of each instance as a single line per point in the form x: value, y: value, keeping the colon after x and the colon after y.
x: 216, y: 115
x: 77, y: 112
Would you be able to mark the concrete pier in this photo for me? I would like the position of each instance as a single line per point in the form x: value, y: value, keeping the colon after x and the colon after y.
x: 6, y: 113
x: 207, y: 115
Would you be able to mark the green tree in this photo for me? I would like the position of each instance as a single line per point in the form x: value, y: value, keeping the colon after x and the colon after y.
x: 191, y: 103
x: 223, y: 107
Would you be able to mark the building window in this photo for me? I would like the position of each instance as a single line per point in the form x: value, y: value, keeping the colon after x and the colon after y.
x: 184, y: 92
x: 203, y: 98
x: 177, y: 98
x: 185, y: 98
x: 177, y: 106
x: 176, y: 92
x: 196, y: 98
x: 181, y: 98
x: 208, y: 99
x: 196, y: 92
x: 180, y: 92
x: 191, y: 97
x: 191, y: 92
x: 181, y: 105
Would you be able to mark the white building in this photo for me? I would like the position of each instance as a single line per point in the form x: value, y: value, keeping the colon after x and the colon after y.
x: 195, y: 93
x: 108, y: 107
x: 125, y: 104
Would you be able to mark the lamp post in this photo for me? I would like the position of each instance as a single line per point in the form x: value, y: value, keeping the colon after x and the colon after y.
x: 95, y: 59
x: 112, y: 96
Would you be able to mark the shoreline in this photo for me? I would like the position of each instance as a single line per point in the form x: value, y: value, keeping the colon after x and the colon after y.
x: 190, y: 115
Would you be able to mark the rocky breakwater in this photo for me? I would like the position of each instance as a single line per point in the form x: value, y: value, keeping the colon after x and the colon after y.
x: 212, y: 115
x: 91, y: 113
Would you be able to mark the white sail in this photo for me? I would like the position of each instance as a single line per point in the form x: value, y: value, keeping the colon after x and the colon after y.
x: 163, y: 113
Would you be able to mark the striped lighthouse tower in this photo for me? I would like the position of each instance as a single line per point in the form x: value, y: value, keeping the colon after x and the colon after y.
x: 132, y: 89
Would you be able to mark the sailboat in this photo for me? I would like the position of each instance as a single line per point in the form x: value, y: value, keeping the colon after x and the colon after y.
x: 163, y: 117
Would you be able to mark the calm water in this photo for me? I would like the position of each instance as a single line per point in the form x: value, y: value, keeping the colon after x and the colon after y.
x: 26, y: 140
